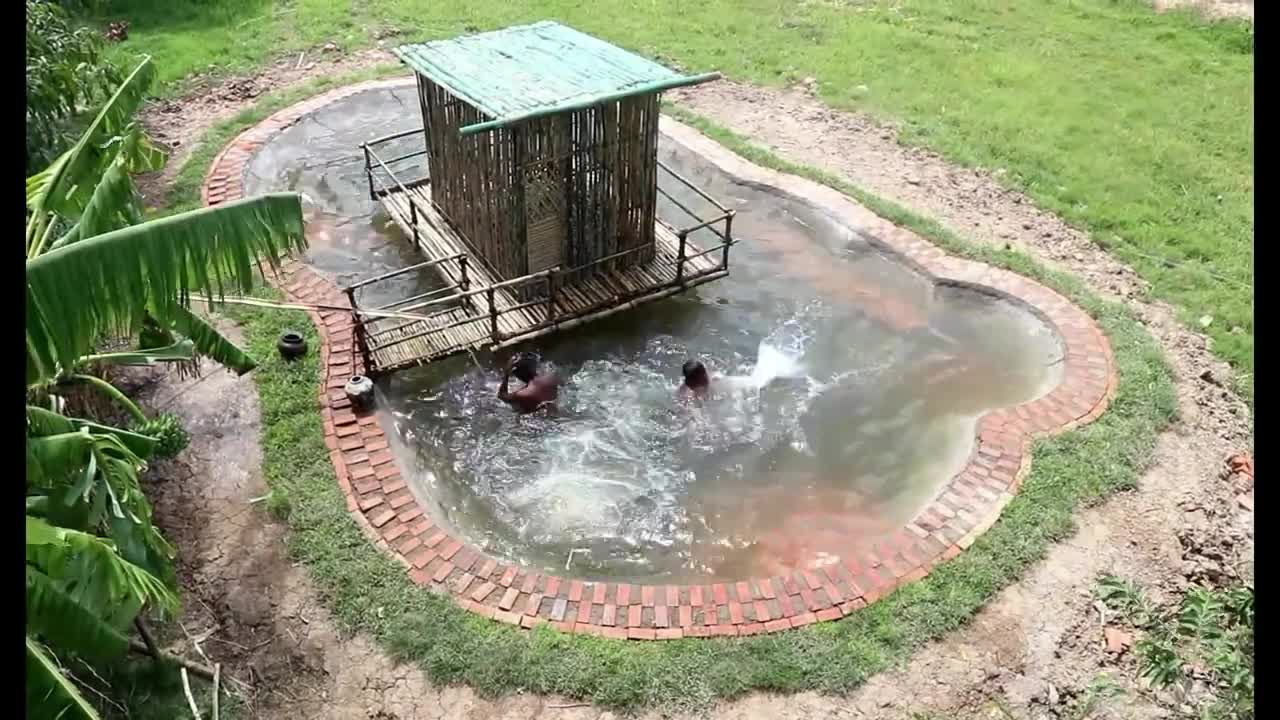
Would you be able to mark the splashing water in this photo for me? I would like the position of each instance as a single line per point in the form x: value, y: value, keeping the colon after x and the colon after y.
x: 773, y: 364
x: 828, y: 431
x: 630, y: 479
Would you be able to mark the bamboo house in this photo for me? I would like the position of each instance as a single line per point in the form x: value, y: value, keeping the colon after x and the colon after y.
x: 538, y: 203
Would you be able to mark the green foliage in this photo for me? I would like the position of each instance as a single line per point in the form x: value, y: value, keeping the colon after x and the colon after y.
x: 1208, y: 630
x: 94, y: 560
x: 1126, y: 598
x: 278, y: 503
x: 66, y: 72
x: 168, y: 433
x: 55, y: 615
x: 107, y: 285
x: 210, y: 342
x: 67, y: 192
x: 50, y: 692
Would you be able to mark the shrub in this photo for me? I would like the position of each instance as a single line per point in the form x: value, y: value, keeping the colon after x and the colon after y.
x: 67, y: 73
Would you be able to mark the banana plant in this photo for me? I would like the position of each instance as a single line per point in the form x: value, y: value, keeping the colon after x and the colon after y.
x: 110, y: 284
x: 93, y: 557
x: 88, y: 192
x: 95, y: 270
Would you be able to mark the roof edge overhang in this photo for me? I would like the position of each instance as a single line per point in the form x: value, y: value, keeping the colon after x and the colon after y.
x: 582, y: 103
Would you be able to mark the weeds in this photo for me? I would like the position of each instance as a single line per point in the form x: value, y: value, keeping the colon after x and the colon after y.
x: 1205, y: 637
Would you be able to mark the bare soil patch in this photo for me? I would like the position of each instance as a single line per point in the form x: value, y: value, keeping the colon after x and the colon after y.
x: 179, y: 124
x: 1031, y: 653
x: 255, y: 609
x: 1238, y: 9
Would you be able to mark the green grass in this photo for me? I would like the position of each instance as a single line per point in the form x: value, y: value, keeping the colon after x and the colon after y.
x: 371, y: 593
x: 1134, y: 125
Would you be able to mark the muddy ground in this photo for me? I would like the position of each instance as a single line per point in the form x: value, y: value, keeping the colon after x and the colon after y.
x: 1031, y: 653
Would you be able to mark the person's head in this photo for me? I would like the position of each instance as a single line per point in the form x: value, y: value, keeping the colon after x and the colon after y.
x: 695, y: 374
x: 525, y: 367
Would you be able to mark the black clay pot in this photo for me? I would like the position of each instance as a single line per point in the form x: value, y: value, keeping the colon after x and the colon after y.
x: 360, y: 391
x: 291, y: 346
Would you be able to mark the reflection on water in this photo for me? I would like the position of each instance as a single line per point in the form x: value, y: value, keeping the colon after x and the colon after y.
x: 350, y: 236
x: 847, y: 391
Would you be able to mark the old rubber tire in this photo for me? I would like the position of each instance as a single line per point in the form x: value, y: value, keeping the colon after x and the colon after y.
x: 292, y: 346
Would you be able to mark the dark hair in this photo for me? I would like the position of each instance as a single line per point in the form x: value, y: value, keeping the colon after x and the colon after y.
x: 525, y: 366
x: 695, y: 373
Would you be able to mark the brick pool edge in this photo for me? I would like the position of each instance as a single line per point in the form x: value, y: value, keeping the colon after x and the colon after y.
x: 380, y: 501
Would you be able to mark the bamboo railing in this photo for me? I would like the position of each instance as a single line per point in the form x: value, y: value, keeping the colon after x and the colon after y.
x: 459, y: 304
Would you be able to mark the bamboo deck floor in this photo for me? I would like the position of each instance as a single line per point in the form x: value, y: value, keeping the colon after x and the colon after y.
x: 394, y: 344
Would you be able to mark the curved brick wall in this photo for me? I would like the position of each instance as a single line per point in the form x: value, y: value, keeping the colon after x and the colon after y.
x: 383, y: 506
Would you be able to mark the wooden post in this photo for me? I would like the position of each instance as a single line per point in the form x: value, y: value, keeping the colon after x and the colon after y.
x: 493, y: 315
x: 551, y: 296
x: 357, y: 330
x: 464, y: 284
x: 728, y: 239
x: 684, y: 238
x: 368, y: 170
x: 413, y: 217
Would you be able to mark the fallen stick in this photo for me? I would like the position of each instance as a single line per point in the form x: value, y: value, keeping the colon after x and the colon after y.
x: 195, y: 641
x: 191, y: 701
x: 196, y: 669
x: 217, y: 676
x: 147, y: 637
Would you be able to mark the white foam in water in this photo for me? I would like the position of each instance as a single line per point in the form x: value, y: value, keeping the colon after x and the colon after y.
x: 772, y: 364
x: 568, y: 501
x: 615, y: 464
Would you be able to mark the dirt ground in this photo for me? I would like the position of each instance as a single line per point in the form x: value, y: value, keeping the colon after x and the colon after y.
x: 1031, y: 653
x: 1212, y: 8
x: 178, y: 124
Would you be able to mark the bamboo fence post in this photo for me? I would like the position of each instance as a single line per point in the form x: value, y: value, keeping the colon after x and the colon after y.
x: 551, y: 296
x: 493, y: 315
x: 728, y: 238
x: 684, y: 239
x: 368, y: 170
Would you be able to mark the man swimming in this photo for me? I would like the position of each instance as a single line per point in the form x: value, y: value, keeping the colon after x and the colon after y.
x: 697, y: 383
x: 539, y: 391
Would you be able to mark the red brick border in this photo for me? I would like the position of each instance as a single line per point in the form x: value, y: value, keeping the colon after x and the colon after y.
x: 379, y: 499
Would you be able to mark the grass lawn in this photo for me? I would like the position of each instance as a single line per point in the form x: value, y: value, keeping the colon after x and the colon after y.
x: 1134, y: 125
x: 451, y: 645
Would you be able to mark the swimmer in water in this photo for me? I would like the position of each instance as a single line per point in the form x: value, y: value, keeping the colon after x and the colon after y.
x: 697, y: 383
x: 539, y: 391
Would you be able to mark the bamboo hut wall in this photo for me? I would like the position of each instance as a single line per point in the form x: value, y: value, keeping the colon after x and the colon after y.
x: 605, y: 157
x: 544, y: 174
x: 610, y: 177
x: 472, y: 180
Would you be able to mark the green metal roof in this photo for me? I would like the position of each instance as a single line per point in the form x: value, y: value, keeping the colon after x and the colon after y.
x: 534, y: 70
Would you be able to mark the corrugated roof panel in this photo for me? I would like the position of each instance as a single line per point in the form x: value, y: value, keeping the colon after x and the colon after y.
x: 536, y: 69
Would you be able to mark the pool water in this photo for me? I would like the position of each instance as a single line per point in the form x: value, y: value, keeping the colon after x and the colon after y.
x: 846, y: 385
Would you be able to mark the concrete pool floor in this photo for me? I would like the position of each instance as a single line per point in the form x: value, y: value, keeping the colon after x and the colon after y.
x: 969, y: 504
